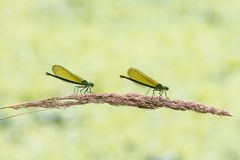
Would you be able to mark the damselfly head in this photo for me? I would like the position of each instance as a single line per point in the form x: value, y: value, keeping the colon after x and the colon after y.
x: 86, y: 83
x: 91, y: 84
x: 165, y: 88
x: 161, y: 87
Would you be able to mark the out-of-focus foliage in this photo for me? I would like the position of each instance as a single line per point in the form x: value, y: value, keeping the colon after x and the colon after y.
x: 191, y: 46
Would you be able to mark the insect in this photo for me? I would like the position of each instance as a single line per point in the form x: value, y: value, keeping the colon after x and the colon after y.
x: 67, y: 76
x: 139, y: 77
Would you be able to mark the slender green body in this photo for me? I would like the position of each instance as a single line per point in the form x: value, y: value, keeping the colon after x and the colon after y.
x: 139, y: 77
x: 67, y: 76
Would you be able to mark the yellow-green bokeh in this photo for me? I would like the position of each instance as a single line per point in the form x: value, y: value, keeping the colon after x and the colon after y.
x: 193, y: 47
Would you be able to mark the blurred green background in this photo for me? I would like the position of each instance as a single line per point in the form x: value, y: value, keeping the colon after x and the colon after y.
x: 191, y: 46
